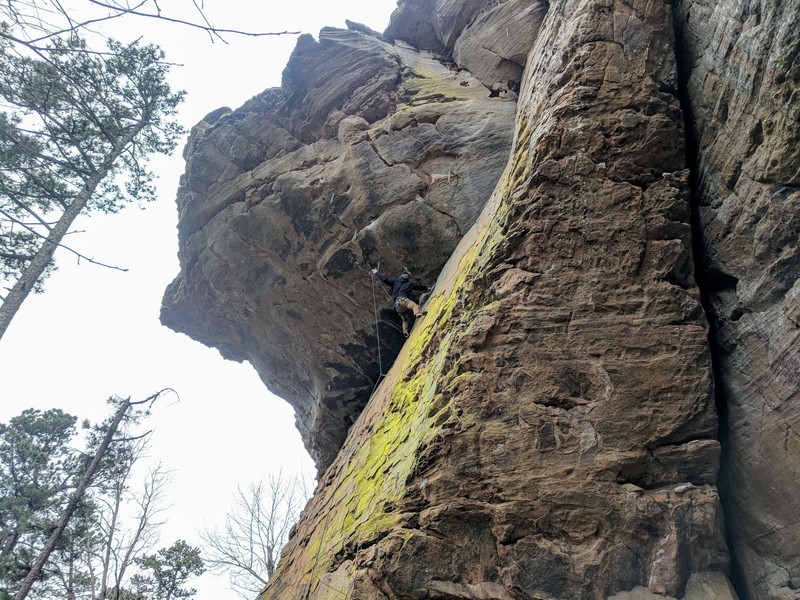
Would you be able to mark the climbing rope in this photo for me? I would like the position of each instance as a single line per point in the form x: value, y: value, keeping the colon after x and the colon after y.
x: 334, y: 487
x: 377, y: 331
x: 305, y: 594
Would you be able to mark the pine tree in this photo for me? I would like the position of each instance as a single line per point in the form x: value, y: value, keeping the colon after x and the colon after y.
x: 76, y: 130
x: 168, y: 570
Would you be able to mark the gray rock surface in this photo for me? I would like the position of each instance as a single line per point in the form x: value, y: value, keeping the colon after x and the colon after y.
x: 744, y: 91
x: 495, y: 46
x: 368, y: 154
x: 490, y: 39
x: 433, y: 24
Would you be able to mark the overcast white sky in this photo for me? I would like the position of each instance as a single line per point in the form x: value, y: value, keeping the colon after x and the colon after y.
x: 95, y: 332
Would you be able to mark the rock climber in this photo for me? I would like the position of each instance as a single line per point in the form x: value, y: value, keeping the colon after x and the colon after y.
x: 402, y: 302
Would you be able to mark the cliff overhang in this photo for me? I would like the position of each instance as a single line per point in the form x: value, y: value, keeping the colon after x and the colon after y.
x: 549, y: 430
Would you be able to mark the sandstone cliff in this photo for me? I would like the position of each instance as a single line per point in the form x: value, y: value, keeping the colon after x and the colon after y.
x: 742, y: 74
x: 369, y: 153
x: 550, y: 429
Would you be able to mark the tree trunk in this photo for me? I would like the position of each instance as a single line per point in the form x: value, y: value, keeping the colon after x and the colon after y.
x: 44, y: 256
x: 8, y: 540
x: 50, y: 545
x: 33, y: 271
x: 108, y: 543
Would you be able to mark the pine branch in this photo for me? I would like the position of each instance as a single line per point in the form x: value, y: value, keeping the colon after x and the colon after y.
x: 59, y: 244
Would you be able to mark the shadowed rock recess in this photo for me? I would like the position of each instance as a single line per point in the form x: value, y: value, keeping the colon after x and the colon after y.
x: 369, y: 153
x: 608, y: 192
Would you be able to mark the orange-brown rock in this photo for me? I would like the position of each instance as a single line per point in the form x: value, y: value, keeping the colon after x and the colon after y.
x: 549, y: 431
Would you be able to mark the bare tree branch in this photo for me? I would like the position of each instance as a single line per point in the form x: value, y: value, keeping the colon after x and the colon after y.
x: 59, y: 244
x: 214, y: 31
x: 52, y: 20
x: 248, y: 545
x: 147, y: 527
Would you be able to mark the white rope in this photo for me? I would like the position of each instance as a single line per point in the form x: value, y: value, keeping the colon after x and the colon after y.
x: 377, y: 332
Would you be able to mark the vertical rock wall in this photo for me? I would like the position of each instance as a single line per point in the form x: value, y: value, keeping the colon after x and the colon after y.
x: 549, y: 430
x: 743, y: 93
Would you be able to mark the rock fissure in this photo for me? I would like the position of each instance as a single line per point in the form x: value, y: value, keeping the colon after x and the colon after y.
x: 378, y: 153
x: 447, y: 214
x: 724, y: 305
x: 502, y: 58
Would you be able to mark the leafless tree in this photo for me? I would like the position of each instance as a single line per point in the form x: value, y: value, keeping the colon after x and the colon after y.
x: 256, y: 528
x: 123, y: 543
x: 116, y: 526
x: 37, y: 22
x: 107, y: 438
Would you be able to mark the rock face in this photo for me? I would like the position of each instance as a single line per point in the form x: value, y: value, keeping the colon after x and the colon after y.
x: 744, y: 90
x: 368, y: 153
x: 490, y: 39
x: 549, y: 431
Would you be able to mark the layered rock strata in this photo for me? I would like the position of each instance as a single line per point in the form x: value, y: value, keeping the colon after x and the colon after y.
x: 490, y: 39
x: 743, y: 91
x: 368, y: 154
x: 549, y: 430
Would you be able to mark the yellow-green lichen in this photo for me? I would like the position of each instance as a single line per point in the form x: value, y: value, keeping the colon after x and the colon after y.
x: 363, y: 501
x: 376, y: 474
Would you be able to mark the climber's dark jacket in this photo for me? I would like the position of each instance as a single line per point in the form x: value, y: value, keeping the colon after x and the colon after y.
x: 402, y: 286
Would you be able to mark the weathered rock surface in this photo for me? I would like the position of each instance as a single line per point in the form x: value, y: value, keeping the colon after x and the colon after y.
x: 491, y: 39
x: 495, y: 46
x: 549, y: 430
x: 368, y: 153
x: 743, y: 85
